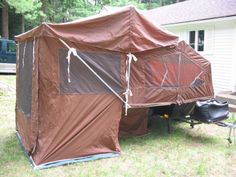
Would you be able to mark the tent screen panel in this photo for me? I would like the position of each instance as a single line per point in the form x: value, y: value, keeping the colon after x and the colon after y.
x: 163, y: 71
x: 105, y: 64
x: 172, y: 70
x: 155, y: 72
x: 190, y: 72
x: 25, y: 77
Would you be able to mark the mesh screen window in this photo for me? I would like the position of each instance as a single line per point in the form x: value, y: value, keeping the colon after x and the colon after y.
x: 174, y: 70
x: 106, y: 65
x: 25, y: 77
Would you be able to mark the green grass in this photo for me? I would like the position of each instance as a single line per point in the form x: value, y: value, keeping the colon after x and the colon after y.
x: 202, y: 151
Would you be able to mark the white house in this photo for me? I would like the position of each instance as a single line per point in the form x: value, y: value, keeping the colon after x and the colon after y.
x: 209, y: 26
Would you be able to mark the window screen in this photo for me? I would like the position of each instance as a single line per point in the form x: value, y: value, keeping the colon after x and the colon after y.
x: 106, y: 65
x: 163, y: 71
x: 197, y: 39
x: 189, y: 73
x: 25, y: 77
x: 174, y: 70
x: 200, y: 40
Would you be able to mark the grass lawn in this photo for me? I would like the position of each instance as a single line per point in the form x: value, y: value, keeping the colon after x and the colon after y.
x: 202, y: 151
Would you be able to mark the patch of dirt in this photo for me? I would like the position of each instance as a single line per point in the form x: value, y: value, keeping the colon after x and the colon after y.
x: 194, y: 144
x: 5, y: 88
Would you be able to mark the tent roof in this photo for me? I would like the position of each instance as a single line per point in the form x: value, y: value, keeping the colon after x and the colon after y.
x: 125, y: 30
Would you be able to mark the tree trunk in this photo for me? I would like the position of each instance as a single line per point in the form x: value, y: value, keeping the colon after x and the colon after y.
x: 161, y: 2
x: 5, y: 30
x: 43, y: 8
x: 149, y: 4
x: 22, y: 23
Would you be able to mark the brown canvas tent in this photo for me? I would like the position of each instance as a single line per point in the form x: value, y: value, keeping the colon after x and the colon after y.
x: 75, y: 79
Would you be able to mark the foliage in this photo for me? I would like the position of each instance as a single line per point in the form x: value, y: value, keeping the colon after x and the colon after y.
x: 37, y: 11
x: 14, y: 24
x: 28, y: 8
x: 232, y: 118
x: 66, y: 10
x: 142, y: 4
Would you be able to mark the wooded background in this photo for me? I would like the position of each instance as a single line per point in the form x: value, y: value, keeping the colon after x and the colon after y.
x: 18, y: 16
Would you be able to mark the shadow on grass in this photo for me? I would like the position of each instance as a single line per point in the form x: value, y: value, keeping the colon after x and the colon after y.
x: 159, y: 132
x: 12, y: 153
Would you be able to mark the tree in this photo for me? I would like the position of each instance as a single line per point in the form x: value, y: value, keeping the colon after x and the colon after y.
x: 5, y: 31
x: 33, y: 12
x: 43, y: 9
x: 28, y: 9
x: 66, y: 10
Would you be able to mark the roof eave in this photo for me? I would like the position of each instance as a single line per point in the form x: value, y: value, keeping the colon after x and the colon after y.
x: 201, y: 20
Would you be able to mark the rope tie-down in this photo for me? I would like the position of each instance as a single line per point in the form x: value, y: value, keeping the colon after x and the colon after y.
x: 71, y: 51
x: 128, y: 92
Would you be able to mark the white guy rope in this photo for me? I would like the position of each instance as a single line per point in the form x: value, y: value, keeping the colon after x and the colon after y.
x: 71, y: 50
x: 74, y: 52
x: 128, y: 92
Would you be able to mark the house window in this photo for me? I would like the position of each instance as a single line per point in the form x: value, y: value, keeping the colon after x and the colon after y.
x: 200, y: 45
x: 192, y: 39
x: 196, y: 40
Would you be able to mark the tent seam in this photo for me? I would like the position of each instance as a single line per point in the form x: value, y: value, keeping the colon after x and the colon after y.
x: 37, y: 114
x: 130, y: 25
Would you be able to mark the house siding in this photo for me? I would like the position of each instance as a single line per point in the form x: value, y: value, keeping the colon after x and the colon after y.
x: 223, y: 58
x: 219, y: 49
x: 234, y: 58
